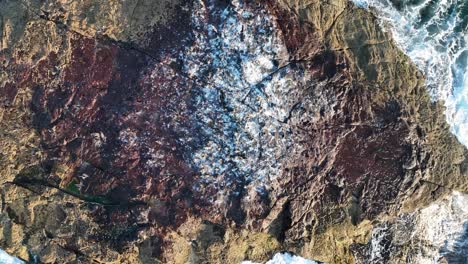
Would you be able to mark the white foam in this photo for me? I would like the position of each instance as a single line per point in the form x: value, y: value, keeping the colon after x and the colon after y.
x: 441, y: 225
x: 437, y: 49
x: 437, y: 233
x: 5, y: 258
x: 285, y: 258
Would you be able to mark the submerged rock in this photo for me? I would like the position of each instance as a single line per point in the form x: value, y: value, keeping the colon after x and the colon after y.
x: 212, y: 132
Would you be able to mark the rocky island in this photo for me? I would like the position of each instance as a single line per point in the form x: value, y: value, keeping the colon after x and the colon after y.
x: 215, y: 131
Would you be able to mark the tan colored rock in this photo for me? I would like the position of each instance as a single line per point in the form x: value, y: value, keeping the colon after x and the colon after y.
x: 333, y: 246
x: 317, y: 216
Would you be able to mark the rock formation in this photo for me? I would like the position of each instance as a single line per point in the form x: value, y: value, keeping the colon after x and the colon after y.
x: 212, y: 132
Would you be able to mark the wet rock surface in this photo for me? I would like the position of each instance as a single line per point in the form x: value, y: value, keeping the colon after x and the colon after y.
x: 211, y: 132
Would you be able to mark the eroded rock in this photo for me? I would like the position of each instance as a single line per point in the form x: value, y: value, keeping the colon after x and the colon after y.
x: 229, y: 131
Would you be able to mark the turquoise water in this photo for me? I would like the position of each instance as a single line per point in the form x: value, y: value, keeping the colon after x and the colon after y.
x: 434, y: 34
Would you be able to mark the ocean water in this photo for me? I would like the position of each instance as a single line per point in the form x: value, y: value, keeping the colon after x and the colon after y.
x: 434, y: 34
x: 437, y: 233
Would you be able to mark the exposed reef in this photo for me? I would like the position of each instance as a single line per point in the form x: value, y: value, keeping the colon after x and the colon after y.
x: 215, y: 132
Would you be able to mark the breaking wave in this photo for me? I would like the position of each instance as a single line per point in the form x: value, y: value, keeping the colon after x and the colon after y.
x: 434, y: 34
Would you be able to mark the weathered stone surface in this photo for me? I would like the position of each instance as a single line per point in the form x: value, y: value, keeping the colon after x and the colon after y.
x: 210, y: 132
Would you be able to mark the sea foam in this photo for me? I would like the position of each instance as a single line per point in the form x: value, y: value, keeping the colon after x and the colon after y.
x: 434, y: 34
x: 285, y: 258
x: 7, y: 259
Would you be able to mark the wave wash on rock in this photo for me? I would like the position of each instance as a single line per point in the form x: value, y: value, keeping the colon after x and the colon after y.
x: 434, y: 34
x: 211, y: 132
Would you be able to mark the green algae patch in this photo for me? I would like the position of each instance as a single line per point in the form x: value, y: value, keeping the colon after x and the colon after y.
x: 73, y: 188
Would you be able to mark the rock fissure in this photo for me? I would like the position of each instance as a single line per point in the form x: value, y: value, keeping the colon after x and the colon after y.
x: 229, y: 131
